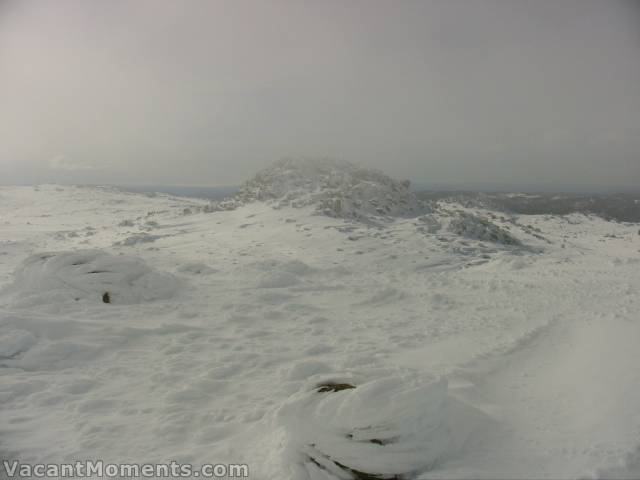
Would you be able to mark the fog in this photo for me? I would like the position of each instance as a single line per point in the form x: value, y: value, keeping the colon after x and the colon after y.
x: 206, y: 92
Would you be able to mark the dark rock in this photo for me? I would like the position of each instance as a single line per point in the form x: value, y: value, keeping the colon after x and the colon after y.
x: 333, y: 387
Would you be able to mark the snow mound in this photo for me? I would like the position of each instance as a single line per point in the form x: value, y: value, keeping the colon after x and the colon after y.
x: 14, y: 342
x: 478, y: 228
x: 335, y: 188
x: 386, y: 428
x: 278, y: 280
x: 89, y: 275
x: 196, y: 268
x: 274, y: 273
x: 294, y: 267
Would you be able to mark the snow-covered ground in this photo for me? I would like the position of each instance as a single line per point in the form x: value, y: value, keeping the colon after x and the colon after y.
x: 478, y: 344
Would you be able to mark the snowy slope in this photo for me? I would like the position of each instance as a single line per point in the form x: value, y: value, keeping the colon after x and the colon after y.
x: 471, y: 356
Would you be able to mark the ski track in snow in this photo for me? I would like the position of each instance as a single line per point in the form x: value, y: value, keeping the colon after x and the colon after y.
x: 537, y: 343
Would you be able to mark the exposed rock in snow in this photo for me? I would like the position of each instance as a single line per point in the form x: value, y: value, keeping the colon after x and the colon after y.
x: 428, y: 224
x: 336, y: 189
x: 138, y: 239
x: 90, y: 274
x: 473, y: 226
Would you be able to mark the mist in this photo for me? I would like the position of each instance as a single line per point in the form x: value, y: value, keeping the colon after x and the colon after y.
x: 207, y: 92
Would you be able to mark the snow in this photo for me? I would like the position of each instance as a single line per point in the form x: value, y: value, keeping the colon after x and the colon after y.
x: 326, y: 431
x: 469, y: 357
x: 89, y: 275
x: 196, y: 268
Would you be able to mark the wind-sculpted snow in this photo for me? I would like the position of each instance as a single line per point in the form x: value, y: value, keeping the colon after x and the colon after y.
x: 335, y: 188
x: 91, y: 275
x: 306, y: 344
x: 385, y: 428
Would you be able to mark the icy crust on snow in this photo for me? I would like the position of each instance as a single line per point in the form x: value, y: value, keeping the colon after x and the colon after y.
x: 90, y: 275
x: 335, y: 188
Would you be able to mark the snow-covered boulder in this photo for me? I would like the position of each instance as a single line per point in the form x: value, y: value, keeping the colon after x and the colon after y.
x: 335, y: 188
x: 385, y: 428
x: 478, y: 228
x: 92, y: 275
x: 196, y: 268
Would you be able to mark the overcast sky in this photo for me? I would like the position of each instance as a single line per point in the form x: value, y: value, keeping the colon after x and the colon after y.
x: 206, y: 92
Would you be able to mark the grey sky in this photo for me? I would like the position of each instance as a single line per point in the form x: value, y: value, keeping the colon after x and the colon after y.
x: 206, y: 92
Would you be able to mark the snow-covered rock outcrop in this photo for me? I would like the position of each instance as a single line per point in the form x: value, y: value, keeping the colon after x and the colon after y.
x: 385, y: 428
x: 336, y: 188
x: 92, y: 275
x: 339, y: 189
x: 478, y: 228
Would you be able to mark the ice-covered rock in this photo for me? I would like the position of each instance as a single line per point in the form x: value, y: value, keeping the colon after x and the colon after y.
x: 478, y: 228
x: 335, y: 188
x: 384, y: 428
x: 90, y: 275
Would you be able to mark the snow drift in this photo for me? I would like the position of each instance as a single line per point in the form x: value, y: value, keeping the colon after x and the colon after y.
x: 92, y: 275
